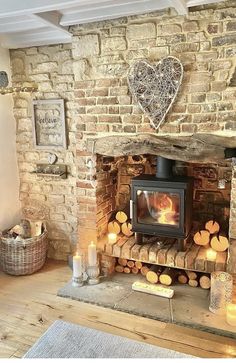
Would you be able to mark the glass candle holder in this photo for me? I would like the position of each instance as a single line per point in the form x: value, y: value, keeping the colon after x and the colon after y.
x: 221, y: 292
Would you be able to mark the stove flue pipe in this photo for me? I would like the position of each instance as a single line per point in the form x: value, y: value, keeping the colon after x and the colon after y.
x: 164, y: 168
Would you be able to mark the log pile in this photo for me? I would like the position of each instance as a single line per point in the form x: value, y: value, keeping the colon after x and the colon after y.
x: 212, y: 237
x: 130, y: 266
x: 166, y: 276
x: 120, y: 223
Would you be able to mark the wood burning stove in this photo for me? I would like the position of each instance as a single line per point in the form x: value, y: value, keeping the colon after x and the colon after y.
x: 161, y: 204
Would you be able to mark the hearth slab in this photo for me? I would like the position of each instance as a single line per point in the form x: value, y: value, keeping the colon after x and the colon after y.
x: 146, y: 305
x: 116, y: 293
x: 107, y: 293
x: 189, y: 306
x: 198, y: 314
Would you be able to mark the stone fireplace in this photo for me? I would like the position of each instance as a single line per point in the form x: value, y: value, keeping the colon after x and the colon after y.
x: 110, y: 140
x: 111, y: 189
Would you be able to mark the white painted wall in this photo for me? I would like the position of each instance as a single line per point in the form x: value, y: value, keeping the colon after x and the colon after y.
x: 9, y: 180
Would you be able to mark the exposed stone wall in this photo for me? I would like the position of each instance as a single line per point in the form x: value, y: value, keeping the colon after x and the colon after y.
x: 91, y: 76
x: 51, y: 69
x: 204, y: 42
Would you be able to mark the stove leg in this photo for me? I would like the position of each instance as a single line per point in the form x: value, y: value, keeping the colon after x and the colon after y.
x: 138, y: 238
x: 182, y: 244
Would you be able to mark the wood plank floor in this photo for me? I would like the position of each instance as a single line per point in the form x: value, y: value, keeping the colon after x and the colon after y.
x: 29, y: 305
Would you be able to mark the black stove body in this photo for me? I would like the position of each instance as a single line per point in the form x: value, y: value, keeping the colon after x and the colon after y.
x: 161, y: 204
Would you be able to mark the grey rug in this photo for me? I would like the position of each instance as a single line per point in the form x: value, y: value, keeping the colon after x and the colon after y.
x: 66, y: 340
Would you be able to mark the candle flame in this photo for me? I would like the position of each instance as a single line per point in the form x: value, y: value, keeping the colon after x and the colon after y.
x: 211, y: 254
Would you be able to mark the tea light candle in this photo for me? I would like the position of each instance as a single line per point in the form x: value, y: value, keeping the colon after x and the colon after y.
x: 92, y: 254
x: 231, y: 314
x: 112, y: 238
x: 77, y: 266
x: 211, y: 254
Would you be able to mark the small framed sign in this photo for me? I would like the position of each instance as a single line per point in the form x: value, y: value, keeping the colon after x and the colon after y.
x: 49, y: 129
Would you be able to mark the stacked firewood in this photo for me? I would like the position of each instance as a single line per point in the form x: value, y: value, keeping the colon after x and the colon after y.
x: 212, y: 237
x: 128, y: 266
x: 120, y: 223
x: 163, y: 275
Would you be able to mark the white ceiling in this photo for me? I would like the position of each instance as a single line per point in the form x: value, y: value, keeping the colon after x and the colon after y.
x: 25, y: 23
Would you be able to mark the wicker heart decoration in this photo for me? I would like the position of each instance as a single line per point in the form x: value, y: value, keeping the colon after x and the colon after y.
x: 155, y: 87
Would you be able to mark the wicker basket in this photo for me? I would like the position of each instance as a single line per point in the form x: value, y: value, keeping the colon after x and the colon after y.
x: 23, y: 257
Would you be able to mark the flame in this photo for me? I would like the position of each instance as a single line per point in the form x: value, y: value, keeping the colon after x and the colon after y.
x: 167, y: 213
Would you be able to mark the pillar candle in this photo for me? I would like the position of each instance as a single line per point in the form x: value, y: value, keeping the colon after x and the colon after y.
x: 231, y: 314
x: 77, y: 266
x: 92, y: 254
x: 112, y: 238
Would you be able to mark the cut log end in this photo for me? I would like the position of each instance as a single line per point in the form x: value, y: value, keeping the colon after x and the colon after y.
x: 127, y: 270
x: 205, y: 282
x: 119, y: 268
x: 182, y: 278
x: 135, y: 270
x: 193, y: 283
x: 126, y: 229
x: 168, y: 276
x: 212, y: 226
x: 122, y: 261
x: 219, y: 243
x: 191, y: 275
x: 121, y: 217
x: 138, y: 264
x: 114, y: 227
x: 144, y: 270
x: 130, y: 264
x: 202, y: 237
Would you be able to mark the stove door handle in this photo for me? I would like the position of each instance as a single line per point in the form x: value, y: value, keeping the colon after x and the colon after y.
x: 131, y: 209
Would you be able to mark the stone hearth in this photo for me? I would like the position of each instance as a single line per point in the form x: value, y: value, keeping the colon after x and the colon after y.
x: 116, y: 293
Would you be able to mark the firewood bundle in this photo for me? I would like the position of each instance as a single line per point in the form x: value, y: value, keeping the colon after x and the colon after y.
x: 129, y: 266
x: 120, y: 223
x: 192, y: 278
x: 164, y: 275
x: 211, y: 236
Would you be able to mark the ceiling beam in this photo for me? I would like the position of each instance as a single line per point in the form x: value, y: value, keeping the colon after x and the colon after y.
x: 110, y: 10
x: 180, y: 6
x: 22, y: 40
x: 52, y: 19
x: 191, y: 3
x: 16, y: 7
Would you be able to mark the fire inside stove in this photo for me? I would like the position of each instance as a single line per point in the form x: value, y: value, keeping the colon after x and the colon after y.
x: 158, y: 207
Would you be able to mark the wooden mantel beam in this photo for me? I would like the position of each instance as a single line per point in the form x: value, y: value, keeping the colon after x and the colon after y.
x: 203, y: 148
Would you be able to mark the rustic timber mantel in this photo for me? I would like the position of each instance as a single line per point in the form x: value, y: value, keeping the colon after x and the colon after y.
x: 199, y: 147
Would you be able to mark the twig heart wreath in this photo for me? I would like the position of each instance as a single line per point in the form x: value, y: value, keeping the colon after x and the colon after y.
x: 155, y: 87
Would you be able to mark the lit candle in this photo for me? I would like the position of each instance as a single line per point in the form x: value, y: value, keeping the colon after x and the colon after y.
x: 77, y: 266
x: 211, y: 254
x: 112, y: 238
x: 231, y: 314
x: 92, y: 254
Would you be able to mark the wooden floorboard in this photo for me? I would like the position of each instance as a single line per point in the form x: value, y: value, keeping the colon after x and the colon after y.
x: 29, y: 305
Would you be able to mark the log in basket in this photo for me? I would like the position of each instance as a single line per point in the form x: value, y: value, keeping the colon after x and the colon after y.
x: 25, y: 256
